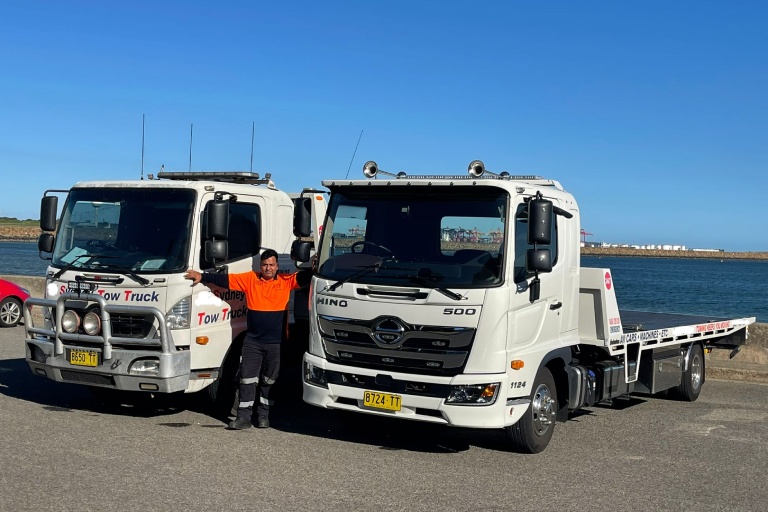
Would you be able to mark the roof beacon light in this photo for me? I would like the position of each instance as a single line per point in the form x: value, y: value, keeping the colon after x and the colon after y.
x: 477, y: 169
x: 371, y: 169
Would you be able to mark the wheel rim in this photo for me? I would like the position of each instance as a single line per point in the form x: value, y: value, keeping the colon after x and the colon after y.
x: 697, y: 371
x: 543, y: 409
x: 10, y: 313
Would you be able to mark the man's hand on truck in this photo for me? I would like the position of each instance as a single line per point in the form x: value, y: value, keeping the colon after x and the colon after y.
x: 194, y: 275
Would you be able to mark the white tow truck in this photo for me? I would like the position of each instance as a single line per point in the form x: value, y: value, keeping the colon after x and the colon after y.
x: 460, y: 300
x: 118, y: 313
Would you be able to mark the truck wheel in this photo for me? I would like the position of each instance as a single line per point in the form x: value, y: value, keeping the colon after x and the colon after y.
x: 223, y: 392
x: 690, y: 387
x: 110, y: 397
x: 534, y: 430
x: 10, y: 312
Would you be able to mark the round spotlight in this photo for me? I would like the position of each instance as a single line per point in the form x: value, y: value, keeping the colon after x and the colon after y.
x: 92, y: 323
x: 476, y: 168
x: 370, y: 169
x: 70, y: 322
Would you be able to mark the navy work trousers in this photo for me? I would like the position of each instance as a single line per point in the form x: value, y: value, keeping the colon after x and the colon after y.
x: 259, y: 367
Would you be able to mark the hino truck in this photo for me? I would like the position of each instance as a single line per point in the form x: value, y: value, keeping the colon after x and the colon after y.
x: 460, y: 300
x: 118, y: 313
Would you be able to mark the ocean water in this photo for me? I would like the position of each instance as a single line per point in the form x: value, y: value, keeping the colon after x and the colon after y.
x: 21, y: 259
x: 724, y: 289
x: 727, y: 289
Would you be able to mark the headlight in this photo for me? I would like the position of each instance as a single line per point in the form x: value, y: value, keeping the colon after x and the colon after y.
x: 179, y: 315
x: 315, y: 375
x: 70, y: 321
x: 145, y: 367
x: 473, y: 394
x: 92, y: 323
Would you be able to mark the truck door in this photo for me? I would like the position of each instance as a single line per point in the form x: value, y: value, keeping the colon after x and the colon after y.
x: 538, y: 321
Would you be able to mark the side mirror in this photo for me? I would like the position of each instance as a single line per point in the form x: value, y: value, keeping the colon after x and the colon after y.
x: 539, y: 221
x: 302, y: 218
x: 300, y: 251
x: 216, y: 250
x: 538, y: 260
x: 45, y: 242
x: 48, y: 207
x: 217, y: 220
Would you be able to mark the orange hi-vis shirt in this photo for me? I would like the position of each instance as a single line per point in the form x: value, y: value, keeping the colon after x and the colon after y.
x: 266, y: 300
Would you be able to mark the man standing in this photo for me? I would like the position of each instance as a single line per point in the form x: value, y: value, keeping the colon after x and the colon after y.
x: 266, y: 295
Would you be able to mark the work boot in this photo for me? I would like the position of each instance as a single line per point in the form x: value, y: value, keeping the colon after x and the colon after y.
x: 263, y: 422
x: 239, y: 424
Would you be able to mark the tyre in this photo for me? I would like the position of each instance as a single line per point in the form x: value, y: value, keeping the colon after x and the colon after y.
x: 110, y: 397
x: 532, y: 433
x: 693, y: 378
x: 223, y: 392
x: 10, y: 312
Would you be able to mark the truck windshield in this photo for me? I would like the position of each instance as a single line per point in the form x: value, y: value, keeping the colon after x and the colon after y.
x: 415, y: 236
x: 138, y: 229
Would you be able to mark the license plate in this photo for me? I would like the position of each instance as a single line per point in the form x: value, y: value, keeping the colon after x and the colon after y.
x: 83, y: 357
x: 382, y: 401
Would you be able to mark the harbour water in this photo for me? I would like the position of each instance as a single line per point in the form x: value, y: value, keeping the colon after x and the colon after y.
x: 721, y: 289
x: 731, y: 288
x: 21, y: 259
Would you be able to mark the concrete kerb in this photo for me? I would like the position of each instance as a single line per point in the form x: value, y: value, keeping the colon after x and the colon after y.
x: 750, y: 364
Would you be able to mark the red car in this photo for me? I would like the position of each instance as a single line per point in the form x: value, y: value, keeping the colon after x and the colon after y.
x: 12, y: 296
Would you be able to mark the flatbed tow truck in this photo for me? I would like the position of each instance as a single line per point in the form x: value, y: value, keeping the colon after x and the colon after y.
x: 460, y: 300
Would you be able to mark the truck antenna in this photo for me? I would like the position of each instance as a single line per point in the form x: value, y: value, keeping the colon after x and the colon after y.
x: 142, y: 146
x: 253, y: 130
x: 191, y: 125
x: 354, y: 153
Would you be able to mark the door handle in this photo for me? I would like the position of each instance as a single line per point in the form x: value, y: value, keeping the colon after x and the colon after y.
x: 556, y: 305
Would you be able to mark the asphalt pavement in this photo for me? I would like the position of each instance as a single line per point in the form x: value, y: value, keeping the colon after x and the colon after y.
x: 61, y: 450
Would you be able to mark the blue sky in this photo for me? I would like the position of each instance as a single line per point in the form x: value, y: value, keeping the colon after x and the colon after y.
x: 654, y: 114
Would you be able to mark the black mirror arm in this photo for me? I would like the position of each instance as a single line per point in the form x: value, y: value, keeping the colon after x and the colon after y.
x: 534, y: 288
x: 562, y: 213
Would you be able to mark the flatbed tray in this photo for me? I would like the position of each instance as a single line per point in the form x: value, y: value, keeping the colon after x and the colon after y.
x: 635, y: 321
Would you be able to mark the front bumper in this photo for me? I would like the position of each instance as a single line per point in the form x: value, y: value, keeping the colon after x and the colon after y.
x: 47, y: 349
x: 427, y: 407
x: 172, y: 375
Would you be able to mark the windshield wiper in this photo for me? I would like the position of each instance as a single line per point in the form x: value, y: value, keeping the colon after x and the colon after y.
x: 420, y: 279
x: 433, y: 285
x: 366, y: 269
x: 71, y: 264
x: 125, y: 271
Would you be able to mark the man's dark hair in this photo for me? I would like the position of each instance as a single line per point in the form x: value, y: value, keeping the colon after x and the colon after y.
x: 268, y: 253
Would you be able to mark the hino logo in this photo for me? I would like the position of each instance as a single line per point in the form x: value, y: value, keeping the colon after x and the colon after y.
x: 388, y: 332
x: 332, y: 302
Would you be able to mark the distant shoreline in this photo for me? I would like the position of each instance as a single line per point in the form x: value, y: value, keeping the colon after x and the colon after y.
x: 31, y: 236
x: 658, y: 253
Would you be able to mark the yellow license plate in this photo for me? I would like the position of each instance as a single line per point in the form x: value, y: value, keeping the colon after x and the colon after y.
x: 83, y: 357
x: 382, y: 401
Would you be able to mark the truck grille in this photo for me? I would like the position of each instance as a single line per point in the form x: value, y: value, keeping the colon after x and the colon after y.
x: 87, y: 378
x: 131, y: 326
x: 388, y: 343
